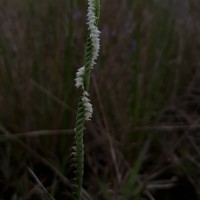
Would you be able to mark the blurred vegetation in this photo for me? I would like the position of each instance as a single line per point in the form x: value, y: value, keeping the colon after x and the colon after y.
x: 143, y: 141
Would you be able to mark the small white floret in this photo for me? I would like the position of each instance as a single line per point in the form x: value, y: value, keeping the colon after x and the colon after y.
x: 79, y: 77
x: 88, y: 106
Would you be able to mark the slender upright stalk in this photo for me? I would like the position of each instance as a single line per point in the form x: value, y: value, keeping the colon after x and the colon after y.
x: 85, y: 109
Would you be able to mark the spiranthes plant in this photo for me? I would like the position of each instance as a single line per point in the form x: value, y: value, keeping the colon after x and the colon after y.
x: 85, y: 110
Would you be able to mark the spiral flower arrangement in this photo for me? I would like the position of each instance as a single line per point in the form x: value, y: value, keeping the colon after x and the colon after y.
x: 82, y: 81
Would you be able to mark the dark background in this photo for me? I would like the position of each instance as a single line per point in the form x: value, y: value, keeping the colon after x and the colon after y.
x: 143, y: 140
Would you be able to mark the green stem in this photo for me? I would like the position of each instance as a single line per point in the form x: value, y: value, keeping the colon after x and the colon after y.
x: 79, y: 151
x: 82, y: 111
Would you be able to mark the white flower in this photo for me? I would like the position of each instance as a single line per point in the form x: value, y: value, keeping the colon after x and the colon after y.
x: 94, y: 32
x: 88, y: 106
x: 79, y: 77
